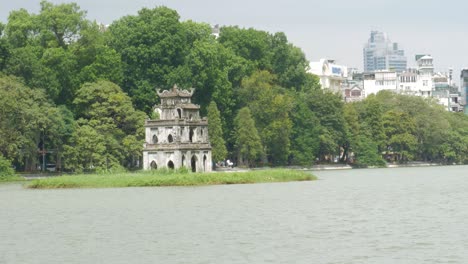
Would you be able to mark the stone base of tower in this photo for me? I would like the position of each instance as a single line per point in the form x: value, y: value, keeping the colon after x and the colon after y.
x: 193, y: 160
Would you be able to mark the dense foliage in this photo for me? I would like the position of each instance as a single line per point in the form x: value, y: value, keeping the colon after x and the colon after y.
x: 76, y: 93
x: 6, y: 169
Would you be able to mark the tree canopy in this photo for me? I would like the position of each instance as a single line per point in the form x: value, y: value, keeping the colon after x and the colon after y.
x: 79, y: 91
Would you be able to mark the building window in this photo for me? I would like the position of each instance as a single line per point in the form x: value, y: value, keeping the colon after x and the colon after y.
x: 155, y: 139
x: 356, y: 93
x: 170, y: 165
x: 170, y: 139
x: 153, y: 165
x: 191, y: 135
x: 193, y: 163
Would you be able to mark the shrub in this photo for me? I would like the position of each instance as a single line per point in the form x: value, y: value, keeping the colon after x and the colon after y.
x: 6, y: 169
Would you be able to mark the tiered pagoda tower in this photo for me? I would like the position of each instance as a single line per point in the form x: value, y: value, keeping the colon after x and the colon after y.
x: 179, y: 138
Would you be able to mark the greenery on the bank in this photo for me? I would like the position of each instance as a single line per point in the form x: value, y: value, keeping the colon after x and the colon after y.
x: 170, y: 178
x: 5, y: 168
x: 82, y: 91
x: 14, y: 178
x: 7, y: 173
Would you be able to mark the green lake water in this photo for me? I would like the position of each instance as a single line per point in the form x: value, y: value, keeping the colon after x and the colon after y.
x: 401, y: 215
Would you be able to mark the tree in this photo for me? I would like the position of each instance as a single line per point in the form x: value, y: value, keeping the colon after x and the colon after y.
x: 371, y: 115
x: 60, y: 23
x: 57, y: 50
x: 215, y: 132
x: 248, y: 144
x: 399, y: 128
x: 205, y: 69
x: 152, y: 45
x: 353, y: 128
x: 95, y: 59
x: 328, y: 107
x: 105, y: 110
x: 270, y: 52
x: 305, y: 133
x: 28, y: 122
x: 250, y: 44
x: 366, y: 152
x: 4, y: 48
x: 86, y: 150
x: 270, y: 106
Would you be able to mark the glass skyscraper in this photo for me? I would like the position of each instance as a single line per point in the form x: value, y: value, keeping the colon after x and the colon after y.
x: 382, y: 54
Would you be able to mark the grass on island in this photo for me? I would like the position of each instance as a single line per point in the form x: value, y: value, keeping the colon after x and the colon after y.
x: 14, y: 178
x: 169, y: 178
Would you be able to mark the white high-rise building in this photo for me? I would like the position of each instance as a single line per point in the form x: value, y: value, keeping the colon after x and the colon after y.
x: 382, y: 54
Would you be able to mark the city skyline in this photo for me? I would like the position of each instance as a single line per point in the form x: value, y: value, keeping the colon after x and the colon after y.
x: 322, y: 30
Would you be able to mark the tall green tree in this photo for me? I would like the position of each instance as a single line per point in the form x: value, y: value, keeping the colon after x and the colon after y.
x: 215, y: 131
x: 270, y: 106
x: 305, y: 133
x: 328, y: 107
x: 371, y: 116
x: 248, y: 144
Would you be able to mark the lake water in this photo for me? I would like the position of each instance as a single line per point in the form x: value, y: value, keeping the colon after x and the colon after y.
x: 403, y: 215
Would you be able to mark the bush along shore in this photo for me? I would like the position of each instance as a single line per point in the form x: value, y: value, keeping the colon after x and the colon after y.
x: 11, y: 178
x: 169, y: 178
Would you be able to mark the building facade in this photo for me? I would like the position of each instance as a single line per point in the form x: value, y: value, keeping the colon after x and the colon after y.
x: 464, y: 89
x: 380, y: 80
x: 331, y: 75
x: 382, y: 54
x: 179, y: 138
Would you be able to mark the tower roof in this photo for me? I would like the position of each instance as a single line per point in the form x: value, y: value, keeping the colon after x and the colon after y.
x: 175, y: 92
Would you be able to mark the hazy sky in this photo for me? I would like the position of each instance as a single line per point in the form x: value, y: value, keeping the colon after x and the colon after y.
x: 332, y: 29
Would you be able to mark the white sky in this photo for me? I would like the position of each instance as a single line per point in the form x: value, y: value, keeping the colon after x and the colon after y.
x: 331, y: 29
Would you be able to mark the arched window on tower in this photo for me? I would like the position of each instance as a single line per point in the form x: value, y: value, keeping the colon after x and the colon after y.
x: 191, y: 135
x: 179, y: 112
x: 204, y: 162
x: 170, y: 165
x: 170, y: 139
x: 155, y: 139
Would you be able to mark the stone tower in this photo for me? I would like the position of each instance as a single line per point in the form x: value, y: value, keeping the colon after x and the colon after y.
x: 179, y: 138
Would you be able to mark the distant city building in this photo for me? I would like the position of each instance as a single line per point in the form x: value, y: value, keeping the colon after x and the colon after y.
x: 464, y: 89
x: 445, y: 93
x: 408, y: 82
x: 331, y: 75
x: 375, y: 82
x: 425, y: 74
x: 215, y: 31
x: 382, y: 54
x: 353, y: 93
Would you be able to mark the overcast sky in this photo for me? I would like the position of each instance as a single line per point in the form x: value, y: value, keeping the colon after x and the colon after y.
x: 331, y: 29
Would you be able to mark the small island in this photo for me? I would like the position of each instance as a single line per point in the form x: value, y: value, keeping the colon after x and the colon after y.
x: 170, y: 178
